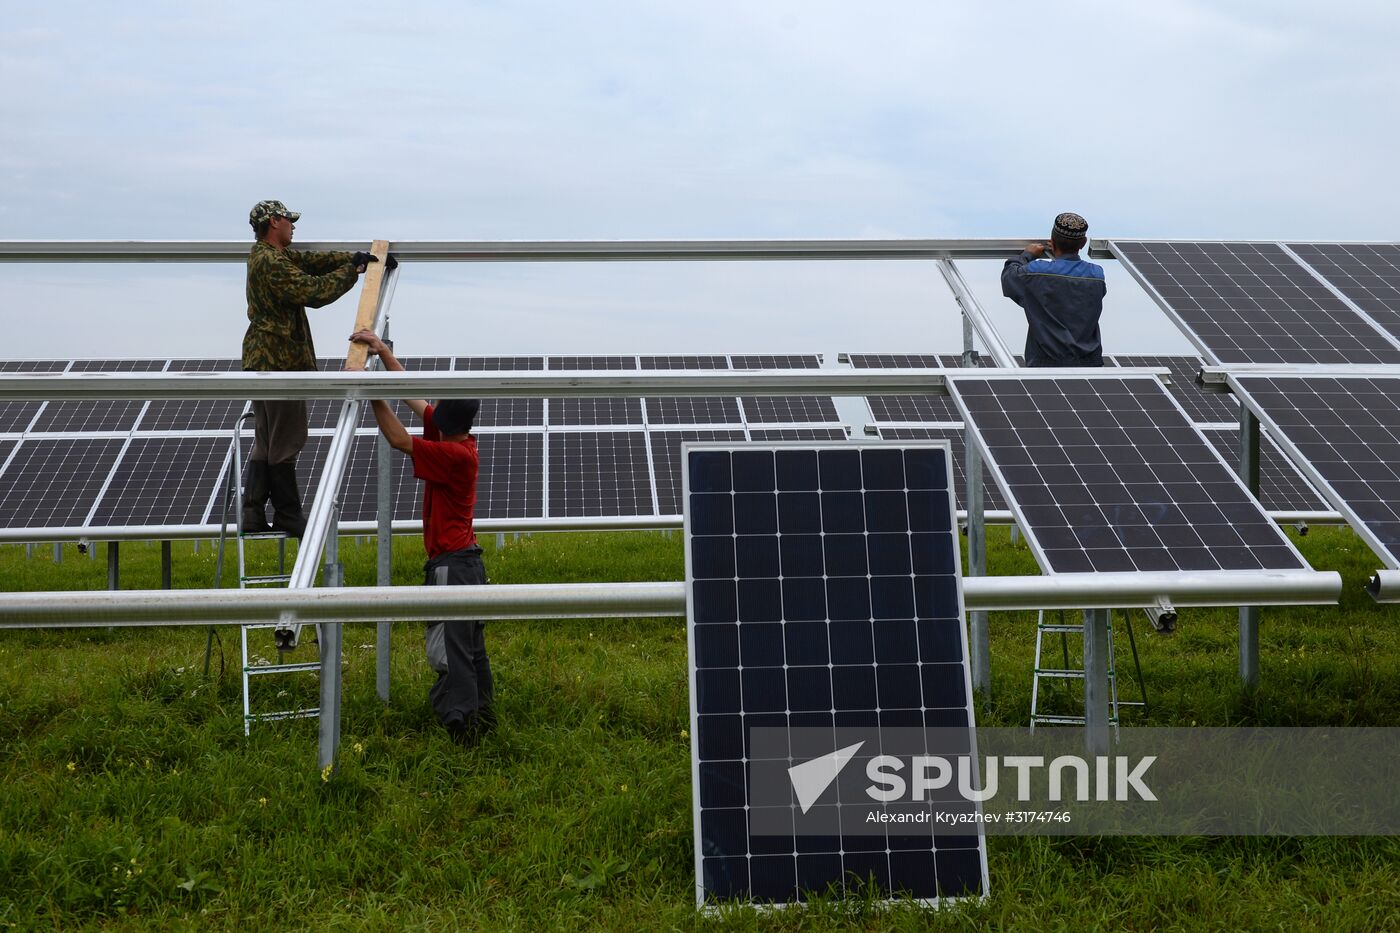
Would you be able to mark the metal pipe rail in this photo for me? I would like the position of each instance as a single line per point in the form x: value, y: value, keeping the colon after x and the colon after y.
x: 525, y: 250
x: 599, y: 600
x: 972, y: 312
x: 572, y: 383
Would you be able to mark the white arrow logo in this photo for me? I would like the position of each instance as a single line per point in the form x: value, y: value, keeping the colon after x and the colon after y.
x: 811, y: 778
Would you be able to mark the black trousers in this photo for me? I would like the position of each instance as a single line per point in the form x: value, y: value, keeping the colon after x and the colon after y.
x: 463, y: 690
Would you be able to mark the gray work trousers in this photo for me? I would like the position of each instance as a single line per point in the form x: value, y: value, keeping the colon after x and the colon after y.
x: 457, y: 650
x: 279, y: 430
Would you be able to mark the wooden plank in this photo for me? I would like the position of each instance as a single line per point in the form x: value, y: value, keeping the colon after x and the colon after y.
x: 365, y: 316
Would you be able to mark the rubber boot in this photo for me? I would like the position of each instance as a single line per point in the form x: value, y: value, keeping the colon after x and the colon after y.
x: 253, y: 521
x: 287, y: 516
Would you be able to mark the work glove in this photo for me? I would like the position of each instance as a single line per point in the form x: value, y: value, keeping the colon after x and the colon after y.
x: 391, y: 262
x: 363, y: 259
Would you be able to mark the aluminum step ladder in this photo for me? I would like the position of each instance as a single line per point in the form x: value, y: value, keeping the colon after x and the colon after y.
x: 253, y: 664
x: 1067, y: 674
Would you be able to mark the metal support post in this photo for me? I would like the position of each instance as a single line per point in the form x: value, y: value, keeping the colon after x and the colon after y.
x: 330, y: 647
x: 1096, y: 694
x: 385, y: 543
x: 500, y: 540
x: 165, y: 565
x: 979, y: 637
x: 1249, y: 615
x: 58, y: 552
x: 113, y: 562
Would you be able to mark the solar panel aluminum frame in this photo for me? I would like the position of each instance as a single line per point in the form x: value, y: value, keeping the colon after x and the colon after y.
x: 851, y: 444
x: 972, y: 432
x: 1310, y: 472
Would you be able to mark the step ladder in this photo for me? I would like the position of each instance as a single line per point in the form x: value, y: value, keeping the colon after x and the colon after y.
x: 253, y: 664
x: 1068, y: 674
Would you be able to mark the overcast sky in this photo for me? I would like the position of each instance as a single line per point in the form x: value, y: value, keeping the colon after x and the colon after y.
x: 636, y: 120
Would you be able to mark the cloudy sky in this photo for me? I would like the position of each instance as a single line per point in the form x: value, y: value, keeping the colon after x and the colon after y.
x: 484, y: 119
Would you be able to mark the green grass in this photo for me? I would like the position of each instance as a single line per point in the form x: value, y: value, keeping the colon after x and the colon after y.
x: 129, y: 796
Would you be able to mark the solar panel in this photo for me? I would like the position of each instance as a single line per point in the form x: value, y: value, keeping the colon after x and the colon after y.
x: 595, y: 411
x: 53, y: 483
x: 33, y: 366
x: 1345, y: 432
x: 1107, y: 474
x: 1281, y: 487
x: 954, y: 361
x: 1201, y: 406
x: 163, y: 481
x: 15, y: 417
x: 824, y: 595
x: 798, y: 434
x: 685, y: 362
x: 193, y: 414
x: 511, y: 413
x: 991, y: 496
x: 894, y: 361
x: 666, y: 463
x: 599, y: 473
x: 325, y: 412
x: 1253, y: 303
x: 499, y: 363
x: 693, y: 410
x: 87, y: 417
x: 592, y: 362
x: 309, y: 464
x: 788, y: 409
x: 117, y: 366
x: 912, y: 408
x: 778, y: 361
x: 1367, y: 273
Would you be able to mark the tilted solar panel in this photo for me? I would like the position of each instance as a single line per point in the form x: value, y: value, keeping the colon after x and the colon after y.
x: 599, y: 473
x: 55, y: 482
x: 164, y: 481
x: 1201, y: 406
x: 788, y: 409
x: 1253, y: 303
x: 824, y: 600
x: 666, y: 462
x: 991, y: 495
x: 1344, y: 433
x: 776, y: 361
x: 595, y: 411
x: 693, y: 410
x: 1367, y: 273
x: 685, y: 362
x: 1281, y: 487
x: 894, y: 361
x: 1107, y: 474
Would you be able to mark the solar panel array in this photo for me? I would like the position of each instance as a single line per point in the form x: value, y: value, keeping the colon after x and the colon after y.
x: 1253, y: 303
x: 1108, y: 475
x: 74, y: 464
x: 824, y: 594
x: 1347, y: 430
x: 1368, y: 274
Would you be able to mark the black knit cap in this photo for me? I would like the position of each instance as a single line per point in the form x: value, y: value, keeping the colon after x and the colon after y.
x: 455, y: 415
x: 1070, y: 226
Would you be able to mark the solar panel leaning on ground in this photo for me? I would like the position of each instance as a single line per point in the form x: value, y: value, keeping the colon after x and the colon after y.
x: 1344, y: 433
x: 823, y: 593
x: 1106, y: 474
x: 154, y: 464
x: 1253, y: 303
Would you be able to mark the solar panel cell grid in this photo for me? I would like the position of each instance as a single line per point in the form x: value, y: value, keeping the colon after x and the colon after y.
x: 1367, y: 273
x: 592, y: 362
x: 1201, y: 406
x: 595, y: 411
x: 666, y: 462
x: 15, y: 417
x: 1348, y: 429
x: 499, y: 363
x: 912, y: 408
x: 1281, y: 487
x: 511, y: 413
x: 1253, y: 303
x: 84, y: 417
x: 991, y: 496
x: 685, y: 362
x: 798, y: 434
x: 1108, y: 476
x: 54, y: 483
x: 894, y: 361
x: 779, y: 361
x: 794, y: 409
x: 693, y: 410
x: 824, y: 595
x: 163, y: 481
x: 599, y: 473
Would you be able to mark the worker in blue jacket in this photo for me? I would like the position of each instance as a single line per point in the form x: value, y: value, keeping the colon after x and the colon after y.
x: 1062, y: 296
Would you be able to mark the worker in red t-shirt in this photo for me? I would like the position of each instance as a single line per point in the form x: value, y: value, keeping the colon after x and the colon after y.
x: 445, y: 459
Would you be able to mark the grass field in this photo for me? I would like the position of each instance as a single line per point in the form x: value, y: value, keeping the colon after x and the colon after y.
x: 130, y: 797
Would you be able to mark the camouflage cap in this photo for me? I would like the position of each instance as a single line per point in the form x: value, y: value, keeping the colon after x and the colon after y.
x: 266, y: 210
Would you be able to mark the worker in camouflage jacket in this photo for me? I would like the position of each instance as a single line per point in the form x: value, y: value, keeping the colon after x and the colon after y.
x: 282, y: 284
